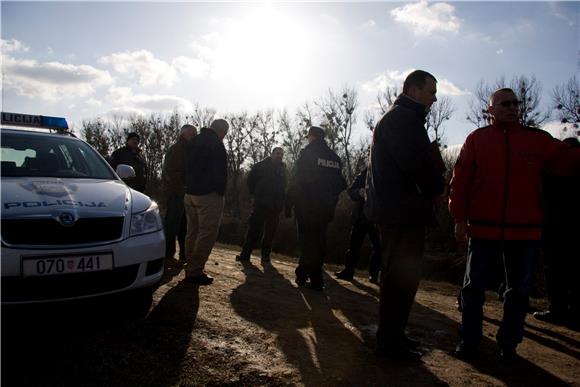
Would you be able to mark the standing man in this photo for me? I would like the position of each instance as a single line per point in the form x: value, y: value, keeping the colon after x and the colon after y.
x: 173, y: 181
x: 205, y: 185
x: 560, y: 242
x: 267, y: 182
x: 496, y: 202
x: 405, y: 176
x: 313, y: 192
x: 360, y: 228
x: 132, y: 155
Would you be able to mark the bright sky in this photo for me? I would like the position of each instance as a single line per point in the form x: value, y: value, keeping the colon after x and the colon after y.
x: 81, y: 60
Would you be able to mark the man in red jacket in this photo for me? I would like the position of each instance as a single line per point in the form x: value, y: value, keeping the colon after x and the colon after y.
x: 496, y: 201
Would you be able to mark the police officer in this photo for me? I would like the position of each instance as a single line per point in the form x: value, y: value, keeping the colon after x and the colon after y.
x: 267, y: 182
x: 313, y: 193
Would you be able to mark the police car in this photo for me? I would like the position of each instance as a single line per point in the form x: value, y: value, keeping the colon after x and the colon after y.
x: 71, y: 229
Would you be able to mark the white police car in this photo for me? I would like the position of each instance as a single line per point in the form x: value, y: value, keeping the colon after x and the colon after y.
x: 71, y: 228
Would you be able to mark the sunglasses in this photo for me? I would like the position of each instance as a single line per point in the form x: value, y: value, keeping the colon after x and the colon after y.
x: 514, y: 102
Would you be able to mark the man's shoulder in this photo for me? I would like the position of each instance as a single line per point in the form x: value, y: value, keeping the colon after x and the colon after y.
x: 538, y: 132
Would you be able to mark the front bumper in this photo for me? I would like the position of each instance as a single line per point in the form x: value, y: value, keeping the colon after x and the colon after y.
x: 137, y: 263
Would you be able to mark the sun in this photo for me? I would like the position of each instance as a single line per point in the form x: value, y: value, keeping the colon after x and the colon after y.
x: 265, y: 49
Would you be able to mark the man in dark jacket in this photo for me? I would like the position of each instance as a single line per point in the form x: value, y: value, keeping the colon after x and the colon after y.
x: 405, y: 176
x: 205, y: 185
x: 313, y: 192
x: 267, y: 182
x: 131, y: 155
x: 360, y: 228
x: 173, y: 182
x: 560, y: 242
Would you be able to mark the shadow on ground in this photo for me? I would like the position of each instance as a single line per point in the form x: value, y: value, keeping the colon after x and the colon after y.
x: 90, y: 344
x: 329, y: 337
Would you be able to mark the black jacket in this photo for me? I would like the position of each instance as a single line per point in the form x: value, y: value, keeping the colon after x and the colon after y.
x: 357, y: 215
x: 405, y: 174
x: 267, y: 182
x: 316, y: 183
x: 128, y: 156
x: 206, y: 166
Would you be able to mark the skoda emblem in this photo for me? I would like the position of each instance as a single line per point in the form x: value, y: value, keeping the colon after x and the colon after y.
x: 66, y: 219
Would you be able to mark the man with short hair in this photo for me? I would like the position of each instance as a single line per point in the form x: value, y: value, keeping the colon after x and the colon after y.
x: 313, y: 193
x: 405, y: 176
x: 205, y: 185
x: 496, y: 202
x: 173, y: 184
x: 131, y: 155
x: 267, y: 183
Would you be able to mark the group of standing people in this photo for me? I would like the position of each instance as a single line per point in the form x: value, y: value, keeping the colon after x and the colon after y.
x: 495, y: 198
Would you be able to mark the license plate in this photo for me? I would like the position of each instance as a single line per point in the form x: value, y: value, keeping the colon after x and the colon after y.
x: 43, y: 266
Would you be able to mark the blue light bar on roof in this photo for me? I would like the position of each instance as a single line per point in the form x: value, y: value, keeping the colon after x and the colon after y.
x: 58, y: 123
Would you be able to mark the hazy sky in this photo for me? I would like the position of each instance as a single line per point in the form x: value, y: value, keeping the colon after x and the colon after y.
x: 81, y: 60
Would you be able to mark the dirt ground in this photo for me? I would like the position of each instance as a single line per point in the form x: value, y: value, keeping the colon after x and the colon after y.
x: 255, y: 327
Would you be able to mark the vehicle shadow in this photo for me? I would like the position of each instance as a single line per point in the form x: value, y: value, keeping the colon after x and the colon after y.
x: 88, y: 343
x: 316, y: 335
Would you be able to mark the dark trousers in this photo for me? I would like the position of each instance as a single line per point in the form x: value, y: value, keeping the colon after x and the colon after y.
x: 518, y: 258
x: 402, y: 257
x: 562, y: 267
x: 175, y: 225
x: 357, y: 237
x: 262, y: 223
x: 312, y: 241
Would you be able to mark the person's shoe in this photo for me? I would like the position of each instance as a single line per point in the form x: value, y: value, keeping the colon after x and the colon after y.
x: 374, y: 279
x: 242, y: 258
x: 508, y: 354
x: 550, y: 317
x: 465, y: 351
x: 203, y: 279
x: 399, y: 353
x: 345, y: 274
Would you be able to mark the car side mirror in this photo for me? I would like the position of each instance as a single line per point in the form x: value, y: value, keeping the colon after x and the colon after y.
x: 125, y: 171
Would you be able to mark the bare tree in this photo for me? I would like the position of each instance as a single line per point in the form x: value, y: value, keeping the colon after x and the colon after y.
x: 386, y: 98
x: 292, y: 136
x: 441, y: 111
x: 338, y: 110
x: 263, y: 135
x: 95, y: 133
x: 201, y: 117
x: 566, y: 100
x: 528, y: 91
x: 236, y: 143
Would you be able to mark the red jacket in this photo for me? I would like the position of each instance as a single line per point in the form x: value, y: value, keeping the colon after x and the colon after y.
x: 497, y: 180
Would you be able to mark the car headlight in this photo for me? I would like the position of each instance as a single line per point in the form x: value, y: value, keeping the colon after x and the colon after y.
x: 146, y: 221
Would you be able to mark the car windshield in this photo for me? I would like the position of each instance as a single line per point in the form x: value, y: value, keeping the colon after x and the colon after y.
x: 25, y: 155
